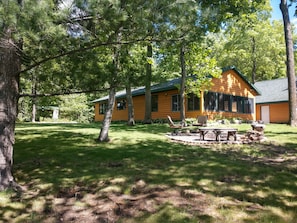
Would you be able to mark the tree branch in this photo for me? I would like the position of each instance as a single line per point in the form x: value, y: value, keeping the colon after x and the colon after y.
x: 77, y: 51
x: 96, y: 46
x: 62, y: 93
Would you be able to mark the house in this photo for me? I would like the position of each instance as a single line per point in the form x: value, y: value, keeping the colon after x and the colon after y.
x: 231, y: 96
x: 272, y: 105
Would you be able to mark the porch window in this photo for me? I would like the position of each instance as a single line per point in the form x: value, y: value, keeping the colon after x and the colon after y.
x: 193, y: 102
x: 154, y: 103
x: 227, y: 102
x: 175, y: 102
x: 248, y: 105
x: 210, y: 101
x: 240, y: 104
x: 245, y: 105
x: 102, y: 108
x: 234, y: 104
x: 224, y: 102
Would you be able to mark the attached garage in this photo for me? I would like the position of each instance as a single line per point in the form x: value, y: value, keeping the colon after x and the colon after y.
x: 272, y: 105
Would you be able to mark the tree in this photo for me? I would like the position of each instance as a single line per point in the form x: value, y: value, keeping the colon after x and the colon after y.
x: 9, y: 87
x: 76, y: 107
x: 133, y: 60
x: 253, y: 43
x: 148, y: 81
x: 290, y: 64
x: 115, y: 69
x: 33, y: 33
x: 202, y: 64
x: 183, y: 84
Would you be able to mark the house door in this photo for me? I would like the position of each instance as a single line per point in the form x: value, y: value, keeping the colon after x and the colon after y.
x: 265, y: 114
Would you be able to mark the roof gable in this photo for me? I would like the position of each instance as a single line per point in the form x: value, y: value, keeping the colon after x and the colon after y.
x: 252, y: 86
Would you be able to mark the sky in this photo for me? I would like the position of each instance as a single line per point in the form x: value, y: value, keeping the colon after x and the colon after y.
x: 277, y: 14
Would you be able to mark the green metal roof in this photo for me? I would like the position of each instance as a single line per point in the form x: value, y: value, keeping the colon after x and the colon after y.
x: 170, y: 85
x: 166, y: 86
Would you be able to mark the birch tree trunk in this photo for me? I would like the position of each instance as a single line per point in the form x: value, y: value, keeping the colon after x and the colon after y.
x: 290, y: 64
x: 10, y: 66
x: 103, y: 136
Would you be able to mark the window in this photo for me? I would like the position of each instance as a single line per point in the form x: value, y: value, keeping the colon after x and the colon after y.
x: 245, y: 105
x: 102, y: 108
x: 248, y: 105
x: 121, y: 104
x: 240, y: 105
x: 210, y: 101
x: 193, y: 102
x: 234, y: 104
x: 221, y: 102
x: 175, y: 102
x: 154, y: 103
x: 224, y: 102
x: 227, y: 102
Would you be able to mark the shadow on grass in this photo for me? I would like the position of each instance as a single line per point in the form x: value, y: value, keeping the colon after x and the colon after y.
x: 142, y: 177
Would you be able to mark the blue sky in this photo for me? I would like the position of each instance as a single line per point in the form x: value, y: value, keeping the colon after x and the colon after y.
x: 276, y: 12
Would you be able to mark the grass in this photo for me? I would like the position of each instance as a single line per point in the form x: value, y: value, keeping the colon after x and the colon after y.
x: 141, y: 176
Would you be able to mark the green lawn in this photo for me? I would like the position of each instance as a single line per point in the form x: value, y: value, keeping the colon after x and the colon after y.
x: 141, y: 176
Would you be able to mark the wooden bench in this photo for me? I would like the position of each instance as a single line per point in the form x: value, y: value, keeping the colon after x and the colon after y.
x: 218, y: 132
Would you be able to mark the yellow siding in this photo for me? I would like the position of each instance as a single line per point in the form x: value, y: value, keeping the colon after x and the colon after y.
x: 279, y: 112
x: 164, y: 106
x: 229, y: 83
x: 139, y: 107
x: 98, y: 117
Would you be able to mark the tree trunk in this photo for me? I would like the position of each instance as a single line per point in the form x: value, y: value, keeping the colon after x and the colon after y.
x: 10, y: 66
x: 148, y: 95
x: 34, y: 98
x: 182, y: 85
x: 33, y: 109
x: 254, y: 68
x: 103, y: 136
x: 290, y: 63
x: 131, y: 120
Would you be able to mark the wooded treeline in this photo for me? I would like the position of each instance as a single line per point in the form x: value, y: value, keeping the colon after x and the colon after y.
x: 51, y: 47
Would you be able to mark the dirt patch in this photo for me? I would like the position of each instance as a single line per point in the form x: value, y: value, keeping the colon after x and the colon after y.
x: 73, y: 206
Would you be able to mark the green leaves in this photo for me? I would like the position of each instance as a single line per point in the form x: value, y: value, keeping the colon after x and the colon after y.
x: 203, y: 66
x: 9, y: 11
x: 253, y: 41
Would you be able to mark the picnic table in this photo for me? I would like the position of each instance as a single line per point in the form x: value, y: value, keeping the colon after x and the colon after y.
x: 218, y: 132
